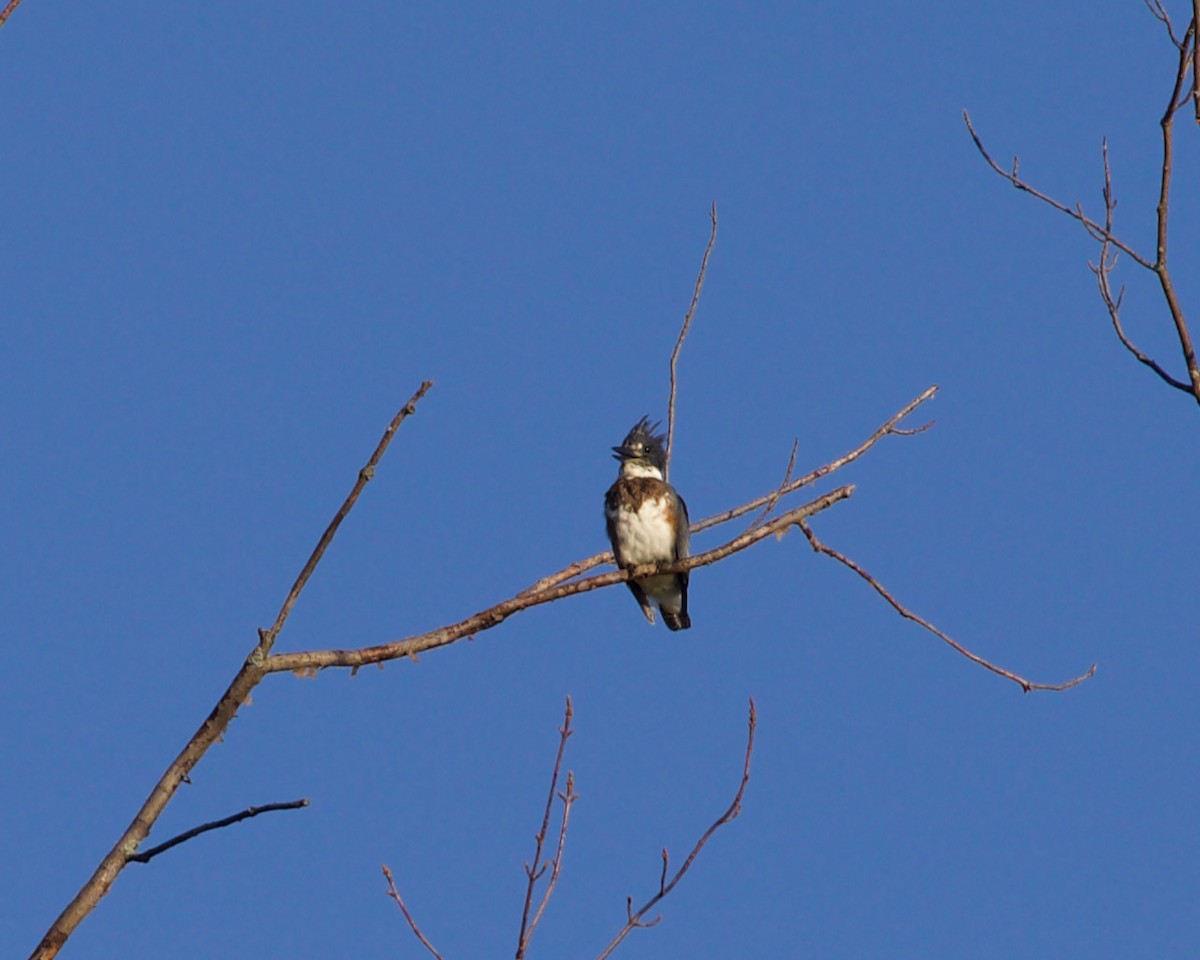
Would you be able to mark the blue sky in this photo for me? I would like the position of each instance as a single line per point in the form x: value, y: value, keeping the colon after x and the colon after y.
x: 235, y: 240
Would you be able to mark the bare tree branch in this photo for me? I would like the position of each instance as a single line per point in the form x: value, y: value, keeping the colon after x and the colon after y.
x: 538, y: 866
x: 7, y: 11
x: 683, y: 332
x: 879, y: 588
x: 775, y: 497
x: 635, y: 919
x: 148, y: 855
x: 1094, y: 229
x: 307, y: 661
x: 395, y: 895
x: 267, y: 637
x: 889, y: 427
x: 211, y: 730
x: 1189, y: 61
x: 1102, y: 268
x: 1164, y: 197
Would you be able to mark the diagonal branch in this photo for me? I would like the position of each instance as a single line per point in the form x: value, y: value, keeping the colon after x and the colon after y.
x: 879, y: 588
x: 635, y: 919
x: 395, y: 895
x: 683, y: 332
x: 365, y: 475
x: 7, y: 11
x: 148, y: 855
x: 210, y: 731
x: 307, y: 661
x: 1093, y: 228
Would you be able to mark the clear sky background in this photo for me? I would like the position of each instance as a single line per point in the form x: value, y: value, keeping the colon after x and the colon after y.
x: 236, y: 237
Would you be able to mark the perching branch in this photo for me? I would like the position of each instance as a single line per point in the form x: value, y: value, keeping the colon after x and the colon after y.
x: 1181, y: 91
x: 305, y: 662
x: 148, y: 855
x: 635, y: 919
x: 683, y: 332
x: 888, y: 428
x: 879, y: 588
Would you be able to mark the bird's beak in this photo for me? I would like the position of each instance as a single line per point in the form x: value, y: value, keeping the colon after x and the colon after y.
x: 622, y: 453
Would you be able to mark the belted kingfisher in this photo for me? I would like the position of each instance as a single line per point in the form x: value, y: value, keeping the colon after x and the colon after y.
x: 648, y: 523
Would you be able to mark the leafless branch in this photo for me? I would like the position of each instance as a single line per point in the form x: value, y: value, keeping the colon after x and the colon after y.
x: 7, y: 11
x: 538, y: 866
x: 148, y: 855
x: 267, y: 637
x: 210, y: 731
x: 635, y: 919
x: 888, y: 428
x: 1012, y: 176
x: 775, y: 497
x: 683, y: 332
x: 1102, y: 269
x: 879, y: 588
x: 1186, y: 52
x: 1188, y: 63
x: 307, y: 661
x: 1196, y: 56
x: 395, y: 895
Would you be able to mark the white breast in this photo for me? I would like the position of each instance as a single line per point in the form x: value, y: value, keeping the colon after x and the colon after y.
x: 646, y: 536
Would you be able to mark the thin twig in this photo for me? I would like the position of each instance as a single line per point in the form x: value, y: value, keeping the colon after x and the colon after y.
x: 395, y: 895
x: 267, y: 637
x: 635, y: 919
x: 1103, y: 267
x: 1160, y: 13
x: 879, y: 588
x: 148, y: 855
x: 1076, y: 213
x: 775, y: 497
x: 537, y: 867
x: 7, y: 11
x: 683, y: 332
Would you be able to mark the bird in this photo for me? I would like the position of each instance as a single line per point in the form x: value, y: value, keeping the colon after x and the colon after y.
x: 648, y: 523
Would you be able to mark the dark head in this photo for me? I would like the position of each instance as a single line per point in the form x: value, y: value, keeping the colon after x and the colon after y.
x: 642, y: 450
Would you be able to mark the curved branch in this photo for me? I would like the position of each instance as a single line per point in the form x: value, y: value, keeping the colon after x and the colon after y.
x: 635, y: 919
x: 1026, y: 685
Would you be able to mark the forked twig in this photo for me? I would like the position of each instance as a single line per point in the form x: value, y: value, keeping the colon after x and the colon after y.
x: 1026, y: 685
x: 683, y: 332
x: 635, y: 919
x: 148, y: 855
x: 395, y: 895
x: 1189, y: 62
x: 538, y: 866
